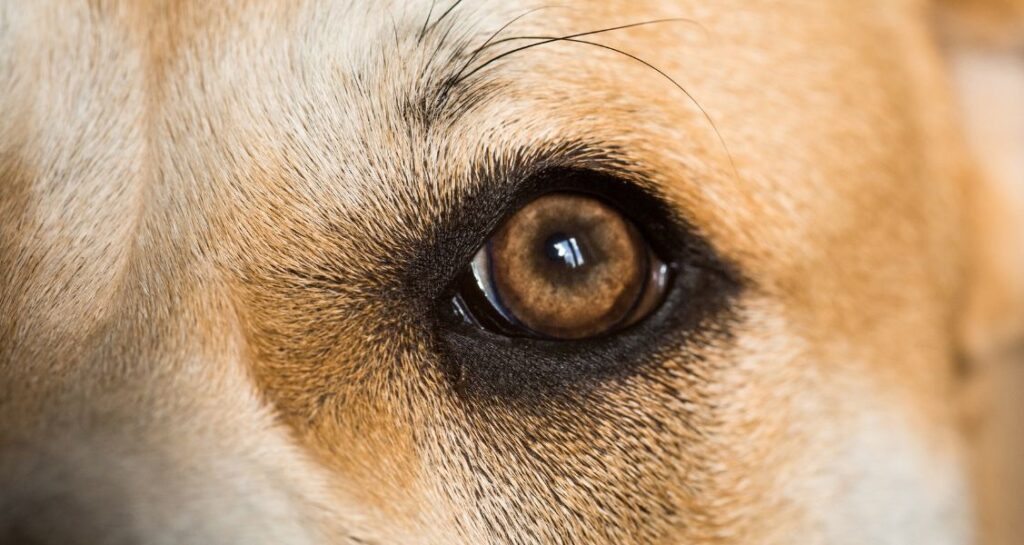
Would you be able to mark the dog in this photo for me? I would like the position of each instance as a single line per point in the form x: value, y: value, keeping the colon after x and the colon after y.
x: 347, y: 272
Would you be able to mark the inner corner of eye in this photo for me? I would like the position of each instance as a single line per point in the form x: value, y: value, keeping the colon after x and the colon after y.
x: 566, y: 266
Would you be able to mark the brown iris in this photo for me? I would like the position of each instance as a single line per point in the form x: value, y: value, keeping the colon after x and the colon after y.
x: 567, y: 266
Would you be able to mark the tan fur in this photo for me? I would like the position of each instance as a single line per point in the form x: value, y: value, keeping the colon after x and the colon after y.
x: 202, y: 337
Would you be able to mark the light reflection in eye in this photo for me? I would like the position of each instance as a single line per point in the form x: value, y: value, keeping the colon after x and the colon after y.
x: 564, y: 248
x: 480, y: 267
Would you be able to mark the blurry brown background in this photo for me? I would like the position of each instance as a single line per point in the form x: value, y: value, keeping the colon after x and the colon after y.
x: 986, y: 40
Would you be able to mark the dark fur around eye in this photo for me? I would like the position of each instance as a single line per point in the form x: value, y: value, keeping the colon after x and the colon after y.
x: 488, y: 365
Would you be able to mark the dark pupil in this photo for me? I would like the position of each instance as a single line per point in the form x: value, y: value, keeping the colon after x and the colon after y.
x: 564, y: 250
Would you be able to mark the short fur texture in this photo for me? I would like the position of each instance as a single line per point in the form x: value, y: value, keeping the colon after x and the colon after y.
x: 208, y: 211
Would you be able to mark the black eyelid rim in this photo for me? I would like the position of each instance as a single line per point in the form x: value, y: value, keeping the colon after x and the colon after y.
x: 485, y: 365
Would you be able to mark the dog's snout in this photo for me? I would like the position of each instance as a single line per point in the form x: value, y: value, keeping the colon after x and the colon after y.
x: 161, y: 480
x: 52, y: 493
x: 109, y: 490
x: 65, y: 520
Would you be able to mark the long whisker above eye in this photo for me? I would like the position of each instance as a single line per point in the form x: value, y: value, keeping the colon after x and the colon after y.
x: 611, y: 29
x: 426, y: 22
x: 544, y: 40
x: 454, y: 5
x: 476, y: 52
x: 437, y: 49
x: 550, y: 39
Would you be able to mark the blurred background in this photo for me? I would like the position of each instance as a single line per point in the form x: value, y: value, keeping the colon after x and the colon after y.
x: 985, y: 39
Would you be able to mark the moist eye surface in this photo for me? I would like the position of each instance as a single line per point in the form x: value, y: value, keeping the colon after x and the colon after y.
x: 566, y: 266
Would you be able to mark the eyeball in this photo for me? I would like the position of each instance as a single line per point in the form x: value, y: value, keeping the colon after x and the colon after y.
x: 566, y: 266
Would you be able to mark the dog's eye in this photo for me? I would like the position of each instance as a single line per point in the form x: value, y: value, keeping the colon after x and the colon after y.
x: 566, y: 266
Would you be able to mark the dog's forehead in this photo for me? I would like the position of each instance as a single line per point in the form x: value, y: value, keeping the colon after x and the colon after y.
x: 339, y: 104
x: 345, y: 104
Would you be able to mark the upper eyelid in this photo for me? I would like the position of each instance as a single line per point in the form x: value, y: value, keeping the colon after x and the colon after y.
x: 509, y: 173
